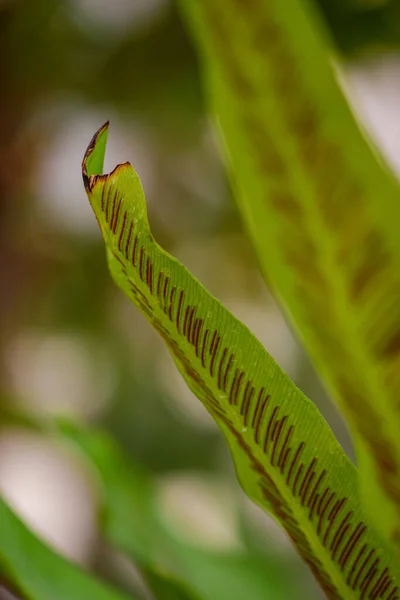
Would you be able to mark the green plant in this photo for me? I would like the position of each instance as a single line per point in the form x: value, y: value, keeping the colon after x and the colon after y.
x: 322, y: 212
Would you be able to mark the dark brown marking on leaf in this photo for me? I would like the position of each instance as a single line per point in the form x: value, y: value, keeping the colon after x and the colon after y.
x: 276, y: 435
x: 380, y: 588
x: 214, y: 354
x: 159, y: 285
x: 269, y: 427
x: 332, y: 518
x: 282, y: 453
x: 259, y: 398
x: 121, y: 233
x: 185, y: 320
x: 355, y: 565
x: 297, y: 479
x: 313, y: 506
x: 196, y: 341
x: 220, y: 368
x: 259, y: 419
x: 113, y: 211
x: 103, y: 187
x: 128, y: 240
x: 238, y: 382
x: 368, y: 579
x: 171, y: 303
x: 141, y: 262
x: 307, y: 475
x: 338, y: 537
x: 316, y: 487
x: 204, y: 348
x: 149, y: 275
x: 285, y: 459
x: 115, y: 220
x: 227, y: 370
x: 189, y: 333
x: 115, y: 255
x: 246, y: 408
x: 294, y: 461
x: 214, y: 337
x: 375, y: 592
x: 107, y: 207
x: 362, y: 569
x: 134, y: 250
x: 165, y: 293
x: 322, y: 511
x: 179, y: 311
x: 351, y: 544
x: 307, y: 481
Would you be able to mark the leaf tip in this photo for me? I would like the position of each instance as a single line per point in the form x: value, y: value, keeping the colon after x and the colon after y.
x: 93, y: 160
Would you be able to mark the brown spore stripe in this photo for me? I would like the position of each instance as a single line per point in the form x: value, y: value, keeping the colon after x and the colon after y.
x: 284, y: 453
x: 316, y: 487
x: 296, y: 457
x: 269, y: 428
x: 115, y: 217
x: 149, y: 275
x: 159, y: 287
x: 186, y: 320
x: 107, y: 205
x: 190, y: 324
x: 368, y: 579
x: 122, y: 231
x: 196, y: 341
x: 236, y: 385
x: 258, y: 420
x: 134, y: 250
x: 141, y: 262
x: 227, y: 371
x: 214, y: 353
x: 179, y: 311
x: 246, y: 402
x: 220, y: 368
x: 128, y: 240
x: 339, y: 535
x: 353, y: 540
x: 171, y: 303
x: 276, y: 435
x: 214, y: 337
x: 204, y: 348
x: 165, y: 292
x: 308, y: 478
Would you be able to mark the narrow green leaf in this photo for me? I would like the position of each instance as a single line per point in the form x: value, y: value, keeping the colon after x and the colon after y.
x: 320, y: 207
x: 38, y: 572
x: 286, y: 456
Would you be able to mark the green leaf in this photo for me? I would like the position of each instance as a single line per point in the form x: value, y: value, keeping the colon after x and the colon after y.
x: 321, y: 209
x: 287, y: 458
x: 131, y: 521
x: 38, y: 572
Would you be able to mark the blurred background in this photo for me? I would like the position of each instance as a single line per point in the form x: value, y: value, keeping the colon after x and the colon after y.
x: 71, y: 344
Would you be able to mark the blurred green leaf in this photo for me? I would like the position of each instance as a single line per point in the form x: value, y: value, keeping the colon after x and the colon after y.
x: 38, y: 572
x: 131, y: 521
x: 322, y: 211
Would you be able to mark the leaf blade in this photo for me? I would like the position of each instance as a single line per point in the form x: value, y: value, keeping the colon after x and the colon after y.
x: 278, y: 440
x: 320, y: 207
x: 38, y: 572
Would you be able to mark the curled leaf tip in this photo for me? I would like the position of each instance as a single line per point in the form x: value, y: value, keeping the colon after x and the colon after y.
x: 93, y: 160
